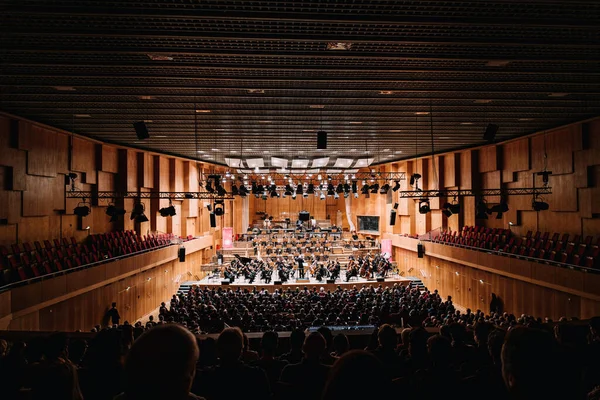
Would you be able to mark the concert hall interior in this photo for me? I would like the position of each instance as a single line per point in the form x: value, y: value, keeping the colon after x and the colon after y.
x: 282, y: 166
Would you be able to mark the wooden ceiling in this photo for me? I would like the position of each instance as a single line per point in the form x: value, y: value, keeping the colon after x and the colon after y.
x: 265, y: 80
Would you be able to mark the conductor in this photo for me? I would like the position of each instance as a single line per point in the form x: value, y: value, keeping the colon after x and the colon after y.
x: 300, y: 261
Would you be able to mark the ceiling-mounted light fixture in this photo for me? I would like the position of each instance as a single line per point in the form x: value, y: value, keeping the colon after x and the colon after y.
x: 114, y: 212
x: 424, y: 206
x: 82, y: 209
x: 396, y: 186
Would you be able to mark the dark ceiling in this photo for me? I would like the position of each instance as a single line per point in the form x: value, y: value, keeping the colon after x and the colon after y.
x: 264, y: 72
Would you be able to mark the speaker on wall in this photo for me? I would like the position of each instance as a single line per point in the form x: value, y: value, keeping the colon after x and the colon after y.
x: 141, y: 130
x: 420, y: 250
x: 490, y: 132
x: 321, y: 140
x: 213, y: 220
x: 181, y: 254
x: 304, y: 216
x: 393, y: 217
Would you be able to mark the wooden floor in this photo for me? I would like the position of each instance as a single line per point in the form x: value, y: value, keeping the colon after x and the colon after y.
x: 293, y: 283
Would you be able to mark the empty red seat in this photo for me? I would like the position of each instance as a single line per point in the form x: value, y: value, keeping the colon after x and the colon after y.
x: 37, y: 245
x: 35, y: 270
x: 27, y: 247
x: 57, y: 244
x: 46, y: 267
x: 15, y: 248
x: 57, y: 265
x: 47, y: 245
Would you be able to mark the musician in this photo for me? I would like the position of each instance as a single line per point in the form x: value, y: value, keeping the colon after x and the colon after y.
x: 352, y: 270
x: 334, y: 272
x: 322, y: 272
x: 300, y: 261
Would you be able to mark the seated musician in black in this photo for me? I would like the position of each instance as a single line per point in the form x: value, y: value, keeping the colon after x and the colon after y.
x: 321, y: 273
x: 335, y: 273
x: 352, y: 272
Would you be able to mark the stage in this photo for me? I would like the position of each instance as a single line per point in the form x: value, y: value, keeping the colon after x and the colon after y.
x: 214, y: 281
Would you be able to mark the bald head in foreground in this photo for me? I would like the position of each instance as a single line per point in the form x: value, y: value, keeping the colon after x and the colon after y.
x: 161, y: 365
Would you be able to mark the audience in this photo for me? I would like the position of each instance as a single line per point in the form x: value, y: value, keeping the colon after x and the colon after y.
x: 498, y: 356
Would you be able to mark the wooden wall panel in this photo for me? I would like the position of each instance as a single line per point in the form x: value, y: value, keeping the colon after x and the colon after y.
x: 47, y: 151
x: 83, y: 159
x: 451, y: 169
x: 109, y: 161
x: 488, y: 159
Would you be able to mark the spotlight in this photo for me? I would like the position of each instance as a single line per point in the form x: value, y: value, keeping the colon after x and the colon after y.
x: 243, y: 190
x: 82, y: 210
x: 209, y: 187
x: 138, y: 213
x: 219, y: 207
x: 273, y: 191
x: 141, y: 130
x: 500, y: 209
x: 322, y: 197
x: 354, y: 187
x: 294, y: 195
x: 424, y: 207
x: 454, y: 208
x: 365, y: 189
x: 234, y: 190
x: 330, y: 190
x: 305, y: 195
x: 385, y: 188
x: 448, y: 209
x: 114, y: 212
x: 346, y: 188
x: 375, y: 188
x: 336, y: 196
x: 310, y: 189
x: 481, y: 211
x: 414, y: 179
x: 339, y: 188
x: 288, y: 190
x: 539, y: 205
x: 221, y: 190
x: 396, y: 186
x: 167, y: 211
x: 356, y: 195
x: 447, y: 213
x: 299, y: 189
x: 545, y: 176
x: 254, y: 188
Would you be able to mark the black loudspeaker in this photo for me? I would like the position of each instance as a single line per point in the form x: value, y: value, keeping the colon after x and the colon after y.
x: 224, y: 283
x: 304, y: 216
x: 219, y: 208
x: 141, y: 130
x: 181, y: 254
x: 420, y: 250
x: 276, y: 282
x: 213, y: 220
x: 330, y: 281
x: 321, y: 140
x: 380, y: 279
x: 393, y: 218
x: 395, y: 206
x: 490, y: 132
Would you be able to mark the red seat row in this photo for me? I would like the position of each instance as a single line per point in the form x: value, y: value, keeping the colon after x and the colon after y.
x: 26, y: 261
x: 555, y: 249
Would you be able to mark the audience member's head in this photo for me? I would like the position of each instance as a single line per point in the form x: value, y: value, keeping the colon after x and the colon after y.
x: 297, y: 338
x: 352, y: 368
x: 57, y: 346
x: 529, y: 363
x: 340, y: 344
x: 387, y: 338
x: 3, y: 347
x: 208, y: 352
x: 230, y: 345
x: 268, y: 343
x: 161, y: 364
x: 495, y: 342
x: 314, y: 346
x: 56, y: 380
x: 440, y: 350
x: 77, y: 349
x: 327, y: 335
x: 482, y: 332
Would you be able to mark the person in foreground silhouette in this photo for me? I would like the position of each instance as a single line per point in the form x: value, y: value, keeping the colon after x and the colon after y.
x: 161, y: 365
x: 295, y: 355
x: 306, y: 379
x: 533, y: 367
x: 357, y: 375
x: 232, y: 379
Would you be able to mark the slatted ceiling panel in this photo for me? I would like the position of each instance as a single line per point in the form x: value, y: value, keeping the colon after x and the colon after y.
x: 441, y: 55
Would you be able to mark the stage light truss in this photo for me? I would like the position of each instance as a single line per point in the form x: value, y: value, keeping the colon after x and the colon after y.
x: 423, y: 194
x: 282, y: 178
x: 147, y: 195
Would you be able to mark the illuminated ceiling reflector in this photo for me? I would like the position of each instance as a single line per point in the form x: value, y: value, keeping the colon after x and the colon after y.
x: 279, y: 162
x: 320, y: 162
x: 363, y: 162
x: 255, y: 162
x: 300, y: 163
x: 343, y: 162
